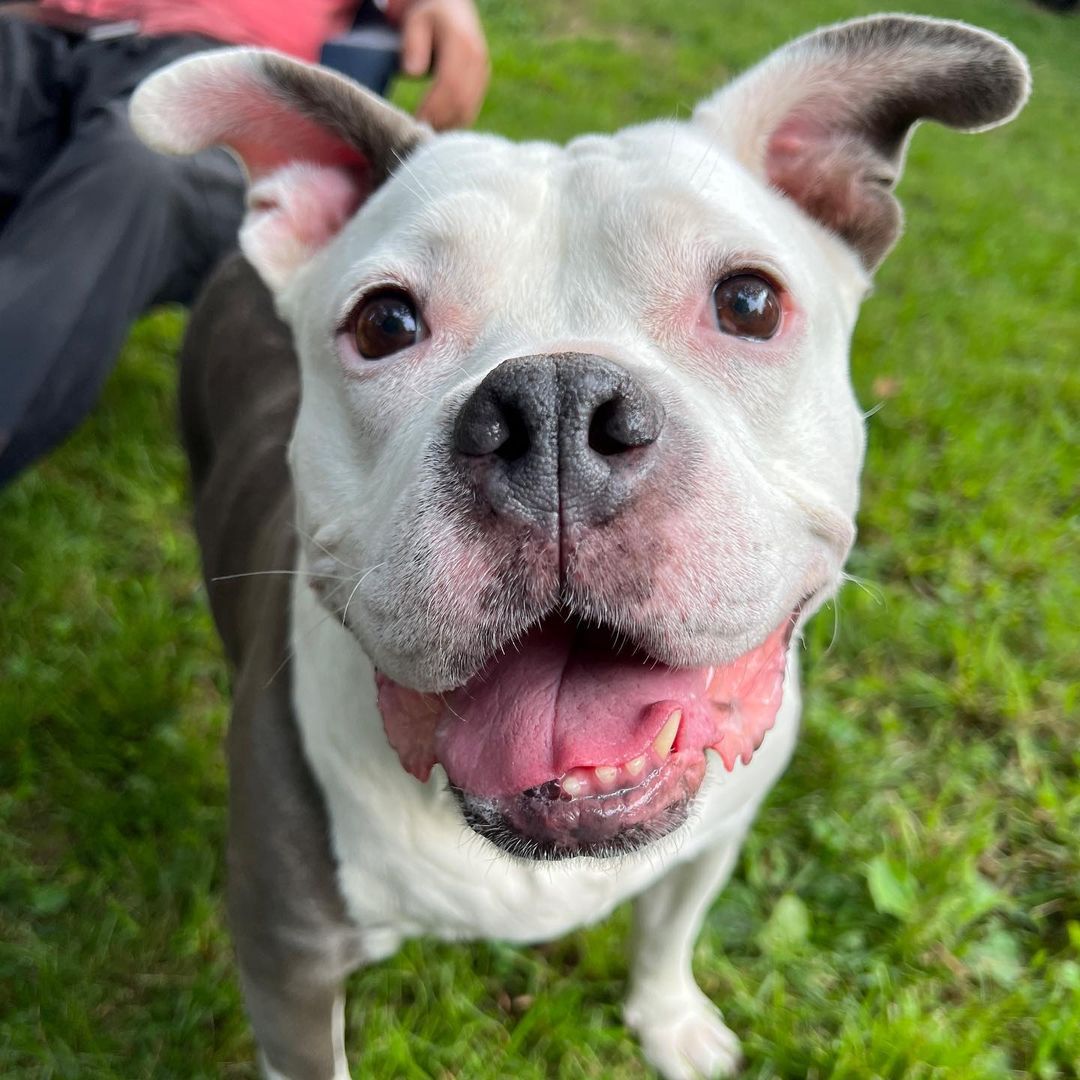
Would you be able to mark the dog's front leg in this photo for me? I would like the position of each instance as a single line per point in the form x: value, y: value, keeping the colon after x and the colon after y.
x: 295, y: 943
x: 682, y: 1033
x: 299, y: 1024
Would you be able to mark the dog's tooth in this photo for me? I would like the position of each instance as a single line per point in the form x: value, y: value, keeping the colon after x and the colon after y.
x: 663, y: 742
x: 606, y: 774
x: 572, y: 785
x: 636, y: 766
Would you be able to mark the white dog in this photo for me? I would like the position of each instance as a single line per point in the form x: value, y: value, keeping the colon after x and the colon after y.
x: 575, y: 456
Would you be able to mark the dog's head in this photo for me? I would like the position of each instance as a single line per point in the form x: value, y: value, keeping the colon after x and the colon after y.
x: 577, y: 445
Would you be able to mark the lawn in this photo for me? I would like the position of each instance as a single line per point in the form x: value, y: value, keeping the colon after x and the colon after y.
x: 909, y: 902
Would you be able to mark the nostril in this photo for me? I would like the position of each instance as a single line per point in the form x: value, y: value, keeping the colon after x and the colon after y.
x: 621, y: 424
x: 603, y: 430
x: 487, y: 426
x: 516, y: 443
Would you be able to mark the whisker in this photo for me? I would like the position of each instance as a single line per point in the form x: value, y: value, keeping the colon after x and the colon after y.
x: 363, y: 578
x: 454, y: 712
x: 412, y: 172
x: 292, y: 573
x: 704, y: 157
x: 835, y: 626
x: 290, y: 648
x: 325, y: 550
x: 872, y: 591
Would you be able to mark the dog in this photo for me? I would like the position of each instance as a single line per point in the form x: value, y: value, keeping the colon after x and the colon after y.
x: 510, y: 554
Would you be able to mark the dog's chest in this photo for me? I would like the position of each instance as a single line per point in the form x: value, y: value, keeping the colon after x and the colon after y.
x: 422, y: 872
x: 407, y: 863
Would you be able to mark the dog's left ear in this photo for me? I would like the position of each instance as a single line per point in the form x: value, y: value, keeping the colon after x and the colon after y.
x: 314, y: 143
x: 826, y: 119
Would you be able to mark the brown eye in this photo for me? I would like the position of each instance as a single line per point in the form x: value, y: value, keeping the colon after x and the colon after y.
x: 385, y: 323
x: 747, y: 306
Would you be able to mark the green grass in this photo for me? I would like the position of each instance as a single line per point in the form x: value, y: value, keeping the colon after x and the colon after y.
x: 909, y: 902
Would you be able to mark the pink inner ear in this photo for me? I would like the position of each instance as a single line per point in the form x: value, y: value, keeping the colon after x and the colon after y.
x: 266, y: 132
x: 294, y: 212
x: 307, y: 178
x: 833, y: 175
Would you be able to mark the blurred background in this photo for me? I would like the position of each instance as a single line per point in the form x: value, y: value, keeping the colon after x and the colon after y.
x: 909, y: 902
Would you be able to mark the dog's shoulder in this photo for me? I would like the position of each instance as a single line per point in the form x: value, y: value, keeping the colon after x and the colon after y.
x: 239, y: 393
x: 238, y: 400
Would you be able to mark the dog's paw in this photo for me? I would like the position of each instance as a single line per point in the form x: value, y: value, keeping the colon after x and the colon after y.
x: 685, y: 1038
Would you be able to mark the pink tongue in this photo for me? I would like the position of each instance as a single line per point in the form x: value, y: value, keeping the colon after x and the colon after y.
x: 557, y: 702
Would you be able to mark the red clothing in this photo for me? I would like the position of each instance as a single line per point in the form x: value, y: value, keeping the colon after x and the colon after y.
x: 297, y: 27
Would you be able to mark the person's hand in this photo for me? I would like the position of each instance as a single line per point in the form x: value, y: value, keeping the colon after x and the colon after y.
x: 445, y: 38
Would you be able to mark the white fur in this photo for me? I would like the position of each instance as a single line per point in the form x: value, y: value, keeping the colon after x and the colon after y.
x: 408, y: 865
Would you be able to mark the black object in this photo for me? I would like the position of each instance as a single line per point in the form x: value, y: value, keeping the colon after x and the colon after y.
x: 564, y: 436
x: 94, y: 226
x: 369, y: 53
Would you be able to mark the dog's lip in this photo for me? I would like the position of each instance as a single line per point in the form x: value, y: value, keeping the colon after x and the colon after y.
x: 538, y: 825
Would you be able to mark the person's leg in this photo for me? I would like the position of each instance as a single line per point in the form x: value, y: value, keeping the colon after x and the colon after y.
x: 110, y: 228
x: 35, y: 68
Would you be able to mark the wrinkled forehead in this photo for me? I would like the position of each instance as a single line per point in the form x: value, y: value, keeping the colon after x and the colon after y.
x: 652, y: 200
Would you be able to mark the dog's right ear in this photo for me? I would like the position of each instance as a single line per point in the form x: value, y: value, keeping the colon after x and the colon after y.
x: 315, y: 144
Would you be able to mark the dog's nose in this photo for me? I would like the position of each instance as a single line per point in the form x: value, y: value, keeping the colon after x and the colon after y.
x: 564, y: 439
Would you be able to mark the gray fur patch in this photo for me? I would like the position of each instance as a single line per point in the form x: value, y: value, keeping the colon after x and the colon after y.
x: 381, y: 133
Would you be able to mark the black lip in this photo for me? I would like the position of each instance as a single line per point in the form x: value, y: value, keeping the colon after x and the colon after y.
x: 488, y: 818
x: 543, y: 824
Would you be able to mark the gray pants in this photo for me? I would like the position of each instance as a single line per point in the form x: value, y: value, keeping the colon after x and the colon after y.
x: 94, y: 227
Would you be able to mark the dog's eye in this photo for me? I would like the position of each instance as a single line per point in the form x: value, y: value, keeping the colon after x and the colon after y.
x: 385, y: 323
x: 747, y: 306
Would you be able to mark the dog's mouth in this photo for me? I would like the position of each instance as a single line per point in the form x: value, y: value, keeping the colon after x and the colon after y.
x: 574, y: 742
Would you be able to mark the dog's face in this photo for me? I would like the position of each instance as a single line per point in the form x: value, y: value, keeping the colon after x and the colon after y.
x: 610, y: 449
x: 577, y: 446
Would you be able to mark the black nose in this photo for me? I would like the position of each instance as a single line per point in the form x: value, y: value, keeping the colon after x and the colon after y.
x: 563, y: 439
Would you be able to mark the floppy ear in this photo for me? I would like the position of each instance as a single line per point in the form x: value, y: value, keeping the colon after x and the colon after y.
x: 314, y: 143
x: 826, y: 119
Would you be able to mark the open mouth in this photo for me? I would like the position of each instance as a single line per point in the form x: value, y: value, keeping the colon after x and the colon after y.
x: 574, y: 742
